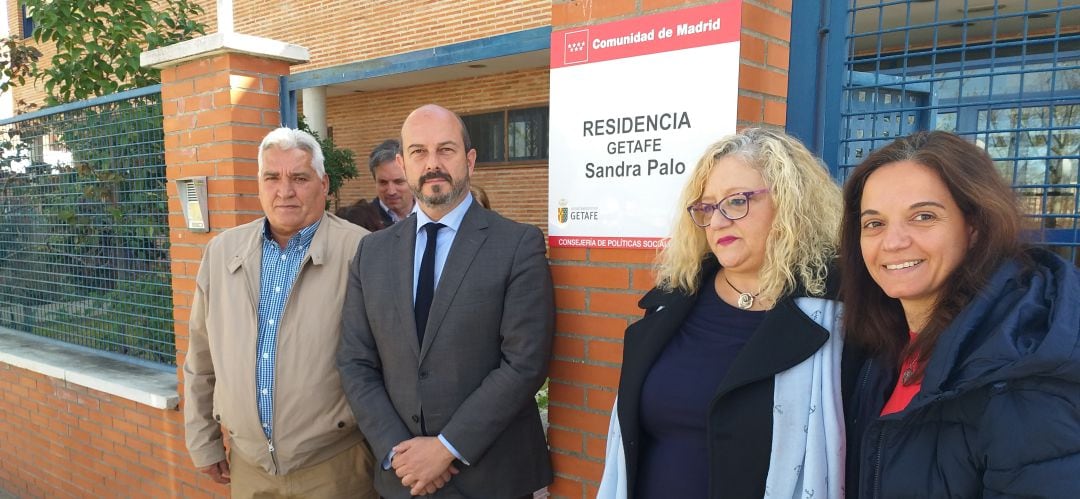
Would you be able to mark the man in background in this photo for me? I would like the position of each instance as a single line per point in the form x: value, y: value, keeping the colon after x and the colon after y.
x: 394, y: 199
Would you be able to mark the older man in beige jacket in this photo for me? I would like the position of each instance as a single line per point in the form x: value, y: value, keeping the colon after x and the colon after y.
x: 265, y: 324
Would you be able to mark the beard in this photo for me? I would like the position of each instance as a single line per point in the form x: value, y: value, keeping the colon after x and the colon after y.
x: 441, y: 196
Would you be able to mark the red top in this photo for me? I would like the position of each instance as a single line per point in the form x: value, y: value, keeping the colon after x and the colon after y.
x: 902, y: 394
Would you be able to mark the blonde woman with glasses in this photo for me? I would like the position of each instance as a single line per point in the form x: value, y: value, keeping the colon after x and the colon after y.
x: 730, y: 383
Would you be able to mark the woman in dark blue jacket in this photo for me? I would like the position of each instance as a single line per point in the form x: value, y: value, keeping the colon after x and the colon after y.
x: 972, y: 387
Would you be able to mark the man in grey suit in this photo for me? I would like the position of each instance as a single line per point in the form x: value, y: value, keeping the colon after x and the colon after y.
x: 446, y: 333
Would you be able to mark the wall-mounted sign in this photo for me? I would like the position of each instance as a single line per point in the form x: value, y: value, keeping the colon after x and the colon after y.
x: 634, y: 103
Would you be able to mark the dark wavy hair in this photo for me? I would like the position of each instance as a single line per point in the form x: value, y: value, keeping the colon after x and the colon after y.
x: 875, y: 321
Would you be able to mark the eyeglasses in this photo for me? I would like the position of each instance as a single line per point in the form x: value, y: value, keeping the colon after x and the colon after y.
x: 732, y: 207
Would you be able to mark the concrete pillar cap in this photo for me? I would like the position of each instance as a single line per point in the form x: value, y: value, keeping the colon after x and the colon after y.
x: 222, y: 43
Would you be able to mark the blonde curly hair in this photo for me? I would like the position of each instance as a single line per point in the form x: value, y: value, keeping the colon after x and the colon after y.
x: 805, y: 231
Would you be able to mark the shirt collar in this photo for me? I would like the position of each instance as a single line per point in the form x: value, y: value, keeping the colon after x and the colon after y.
x: 302, y: 237
x: 451, y: 220
x: 394, y: 216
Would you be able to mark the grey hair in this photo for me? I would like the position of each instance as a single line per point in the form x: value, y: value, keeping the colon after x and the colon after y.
x: 383, y: 153
x: 287, y: 139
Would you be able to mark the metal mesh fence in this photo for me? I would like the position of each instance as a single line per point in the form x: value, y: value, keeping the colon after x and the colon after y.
x: 84, y: 233
x: 1005, y: 74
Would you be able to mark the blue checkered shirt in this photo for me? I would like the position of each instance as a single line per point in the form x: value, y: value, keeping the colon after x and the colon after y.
x: 279, y: 270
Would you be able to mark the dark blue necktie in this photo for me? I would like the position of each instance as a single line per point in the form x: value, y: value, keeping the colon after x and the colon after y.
x: 425, y: 284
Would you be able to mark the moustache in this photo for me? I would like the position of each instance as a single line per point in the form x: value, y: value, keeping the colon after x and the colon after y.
x: 433, y: 175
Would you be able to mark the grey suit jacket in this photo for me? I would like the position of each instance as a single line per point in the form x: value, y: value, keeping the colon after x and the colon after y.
x: 485, y: 353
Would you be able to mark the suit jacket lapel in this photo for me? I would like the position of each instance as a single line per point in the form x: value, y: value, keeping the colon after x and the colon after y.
x: 405, y: 248
x: 467, y: 242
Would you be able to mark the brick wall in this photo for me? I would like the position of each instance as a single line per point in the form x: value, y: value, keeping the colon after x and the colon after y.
x: 59, y: 439
x: 597, y: 289
x: 596, y: 294
x: 343, y: 31
x: 362, y: 121
x: 763, y: 69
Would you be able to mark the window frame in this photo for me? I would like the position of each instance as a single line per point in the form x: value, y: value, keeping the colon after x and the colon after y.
x: 26, y: 23
x: 505, y: 114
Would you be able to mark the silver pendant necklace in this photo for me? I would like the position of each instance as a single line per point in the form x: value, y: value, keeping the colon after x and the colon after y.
x: 909, y: 369
x: 746, y: 300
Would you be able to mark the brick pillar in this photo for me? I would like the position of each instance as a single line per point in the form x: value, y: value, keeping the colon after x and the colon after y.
x: 596, y: 294
x: 596, y: 290
x: 220, y: 97
x: 764, y: 52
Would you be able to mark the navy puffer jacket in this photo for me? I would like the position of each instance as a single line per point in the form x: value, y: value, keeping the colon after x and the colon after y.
x: 998, y: 413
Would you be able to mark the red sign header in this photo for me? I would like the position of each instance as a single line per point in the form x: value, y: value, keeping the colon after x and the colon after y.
x: 681, y: 29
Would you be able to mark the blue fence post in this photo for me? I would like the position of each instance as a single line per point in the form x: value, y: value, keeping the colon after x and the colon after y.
x: 818, y: 45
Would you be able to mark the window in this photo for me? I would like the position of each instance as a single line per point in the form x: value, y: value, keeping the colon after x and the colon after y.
x: 509, y: 136
x: 488, y: 134
x: 27, y: 22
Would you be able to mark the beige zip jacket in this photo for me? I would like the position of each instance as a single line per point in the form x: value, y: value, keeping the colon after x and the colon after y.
x: 312, y: 420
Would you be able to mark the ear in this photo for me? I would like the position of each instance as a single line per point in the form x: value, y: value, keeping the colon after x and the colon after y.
x: 326, y: 184
x: 399, y: 161
x: 471, y: 158
x: 973, y: 236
